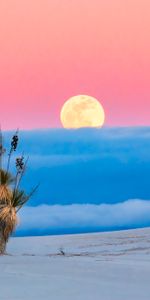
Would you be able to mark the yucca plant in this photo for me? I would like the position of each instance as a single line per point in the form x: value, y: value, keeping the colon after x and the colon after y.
x: 5, y: 190
x: 8, y: 216
x: 11, y: 197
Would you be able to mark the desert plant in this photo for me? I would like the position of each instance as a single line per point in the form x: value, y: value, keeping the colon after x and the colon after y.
x: 5, y: 190
x: 11, y: 197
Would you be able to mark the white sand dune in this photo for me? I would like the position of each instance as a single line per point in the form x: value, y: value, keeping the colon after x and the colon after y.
x: 101, y: 266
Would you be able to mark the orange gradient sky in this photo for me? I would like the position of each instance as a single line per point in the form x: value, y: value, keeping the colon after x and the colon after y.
x: 51, y: 50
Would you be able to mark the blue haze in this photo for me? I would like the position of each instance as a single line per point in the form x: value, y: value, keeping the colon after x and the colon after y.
x: 88, y: 166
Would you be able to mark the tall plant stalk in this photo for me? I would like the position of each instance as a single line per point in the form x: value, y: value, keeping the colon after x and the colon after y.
x: 13, y: 147
x: 1, y: 150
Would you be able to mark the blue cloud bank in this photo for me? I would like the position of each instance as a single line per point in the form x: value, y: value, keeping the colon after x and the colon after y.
x: 79, y: 218
x: 86, y: 177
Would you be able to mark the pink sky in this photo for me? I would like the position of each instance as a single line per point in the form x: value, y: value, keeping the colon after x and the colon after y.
x: 53, y: 49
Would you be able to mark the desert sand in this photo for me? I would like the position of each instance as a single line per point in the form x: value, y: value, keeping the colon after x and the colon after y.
x: 99, y: 266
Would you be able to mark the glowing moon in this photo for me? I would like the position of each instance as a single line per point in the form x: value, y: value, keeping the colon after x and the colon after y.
x: 82, y: 111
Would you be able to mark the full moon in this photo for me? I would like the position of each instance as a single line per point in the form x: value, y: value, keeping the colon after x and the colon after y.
x: 82, y: 111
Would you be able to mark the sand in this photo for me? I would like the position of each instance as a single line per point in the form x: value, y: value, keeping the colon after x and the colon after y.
x: 101, y: 266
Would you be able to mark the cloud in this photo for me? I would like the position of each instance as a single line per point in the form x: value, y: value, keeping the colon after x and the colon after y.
x: 83, y: 141
x: 85, y: 178
x: 76, y: 218
x: 94, y: 166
